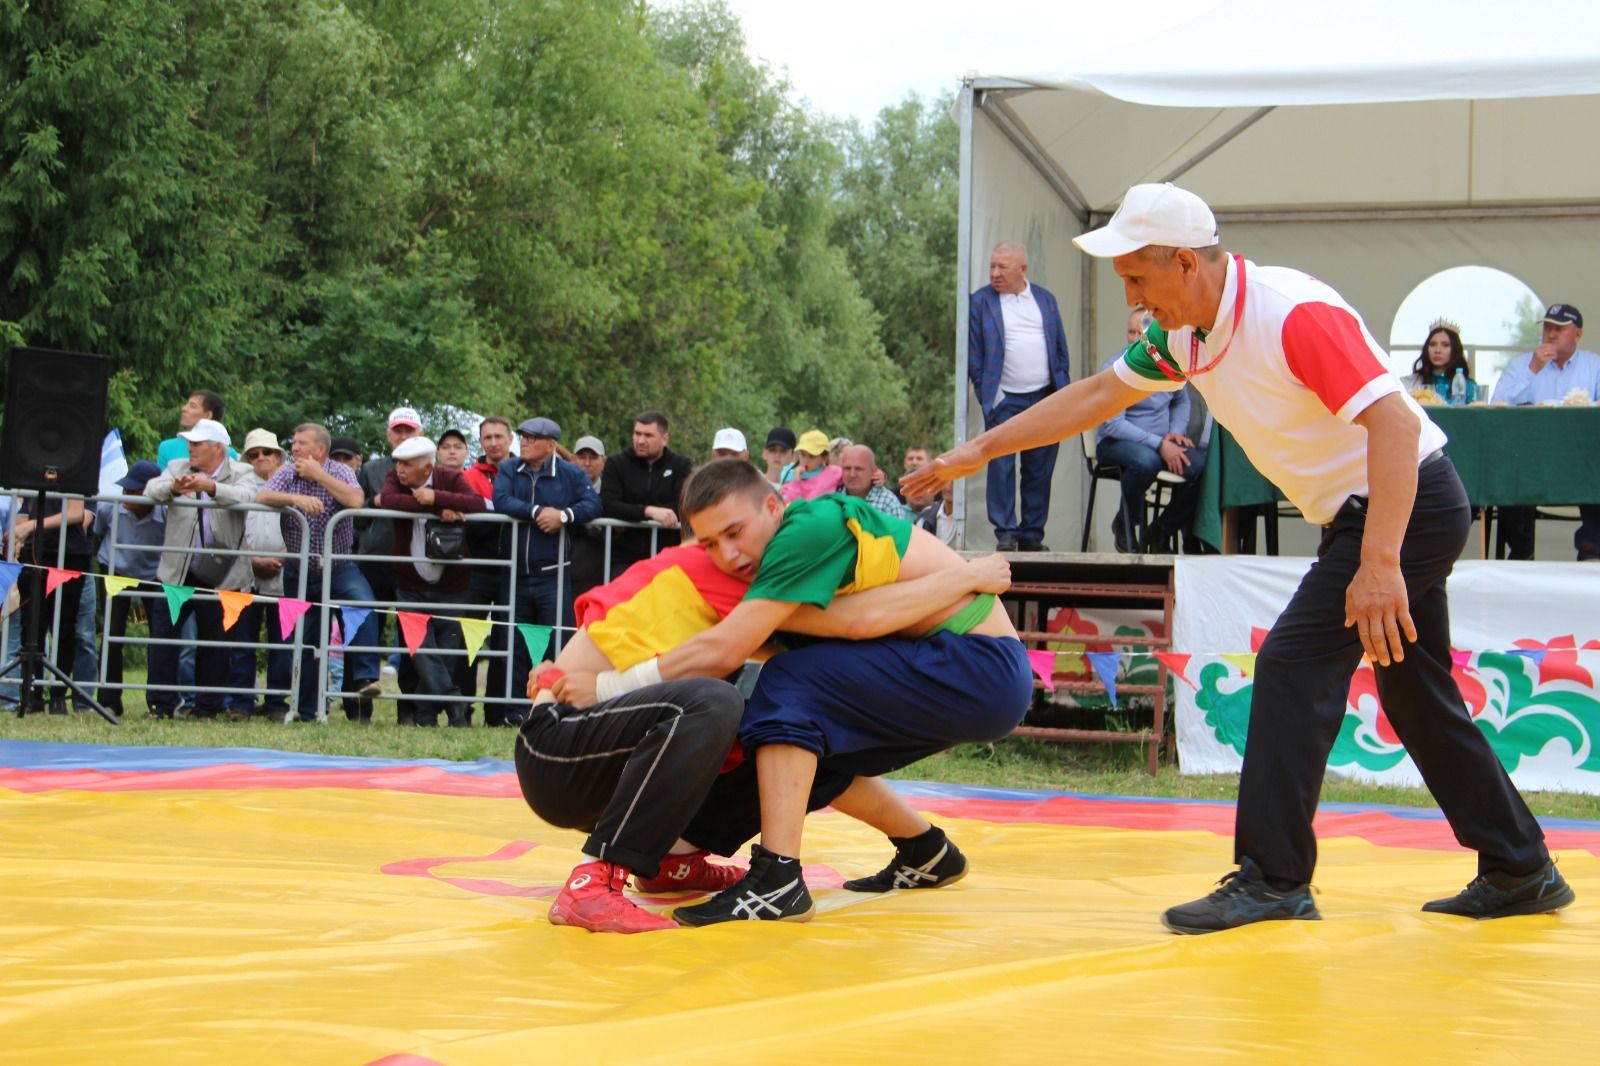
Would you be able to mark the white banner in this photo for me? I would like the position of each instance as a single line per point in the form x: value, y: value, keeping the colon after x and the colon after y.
x: 1525, y: 637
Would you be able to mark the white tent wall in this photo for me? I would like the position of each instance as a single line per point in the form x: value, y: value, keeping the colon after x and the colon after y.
x: 1018, y: 204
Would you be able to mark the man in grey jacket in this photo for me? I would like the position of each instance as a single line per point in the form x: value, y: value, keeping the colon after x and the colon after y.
x: 207, y: 476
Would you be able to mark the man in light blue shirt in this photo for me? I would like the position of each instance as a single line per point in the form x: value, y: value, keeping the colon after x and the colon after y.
x: 1555, y: 367
x: 1143, y: 440
x: 1547, y: 375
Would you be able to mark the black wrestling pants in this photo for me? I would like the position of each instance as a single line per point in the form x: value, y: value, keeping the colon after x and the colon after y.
x: 1303, y: 673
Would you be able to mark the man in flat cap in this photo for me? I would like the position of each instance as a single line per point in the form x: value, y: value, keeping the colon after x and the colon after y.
x: 548, y: 494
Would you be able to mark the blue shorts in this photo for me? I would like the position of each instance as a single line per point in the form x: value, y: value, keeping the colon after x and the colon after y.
x: 872, y: 706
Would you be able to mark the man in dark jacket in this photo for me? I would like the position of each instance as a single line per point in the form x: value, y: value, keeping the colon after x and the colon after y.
x: 642, y: 485
x: 417, y: 484
x: 547, y: 494
x: 1016, y: 356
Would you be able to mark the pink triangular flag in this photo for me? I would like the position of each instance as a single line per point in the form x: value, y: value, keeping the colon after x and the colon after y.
x: 289, y: 612
x: 55, y: 577
x: 414, y: 628
x: 1044, y: 667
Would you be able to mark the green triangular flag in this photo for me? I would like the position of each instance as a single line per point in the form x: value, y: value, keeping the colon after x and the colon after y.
x: 177, y: 596
x: 537, y: 638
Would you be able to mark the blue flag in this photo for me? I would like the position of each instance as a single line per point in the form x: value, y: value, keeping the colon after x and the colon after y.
x: 1104, y: 664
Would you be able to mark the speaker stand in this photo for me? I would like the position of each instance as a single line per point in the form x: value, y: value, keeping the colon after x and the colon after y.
x: 30, y: 658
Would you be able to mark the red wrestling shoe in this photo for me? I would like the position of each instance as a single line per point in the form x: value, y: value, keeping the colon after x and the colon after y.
x: 592, y: 899
x: 689, y: 872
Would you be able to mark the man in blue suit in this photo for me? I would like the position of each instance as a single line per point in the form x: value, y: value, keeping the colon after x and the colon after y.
x: 1016, y: 356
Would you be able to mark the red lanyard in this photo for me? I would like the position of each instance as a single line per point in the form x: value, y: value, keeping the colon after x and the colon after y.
x: 1238, y: 312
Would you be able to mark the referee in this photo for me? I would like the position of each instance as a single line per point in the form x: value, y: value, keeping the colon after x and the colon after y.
x: 1291, y: 370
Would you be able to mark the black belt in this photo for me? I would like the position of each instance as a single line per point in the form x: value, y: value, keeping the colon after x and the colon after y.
x: 1359, y: 503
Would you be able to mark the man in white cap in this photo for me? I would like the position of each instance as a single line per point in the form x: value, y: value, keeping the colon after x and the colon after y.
x: 263, y: 531
x: 729, y: 443
x: 207, y: 475
x: 417, y: 484
x: 1291, y: 370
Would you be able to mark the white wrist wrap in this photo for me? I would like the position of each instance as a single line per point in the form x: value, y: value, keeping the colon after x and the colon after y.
x: 612, y: 683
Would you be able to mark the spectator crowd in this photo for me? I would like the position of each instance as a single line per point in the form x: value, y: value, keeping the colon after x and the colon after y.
x: 428, y: 568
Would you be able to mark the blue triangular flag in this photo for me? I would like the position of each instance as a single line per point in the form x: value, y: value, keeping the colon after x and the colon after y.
x: 9, y: 572
x: 351, y: 619
x: 1104, y: 664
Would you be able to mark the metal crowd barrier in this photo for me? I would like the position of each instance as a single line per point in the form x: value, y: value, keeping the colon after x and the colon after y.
x: 502, y: 614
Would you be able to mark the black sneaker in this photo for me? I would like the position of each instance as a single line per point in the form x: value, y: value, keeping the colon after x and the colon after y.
x: 1244, y: 896
x: 1499, y: 895
x: 772, y: 891
x: 927, y: 861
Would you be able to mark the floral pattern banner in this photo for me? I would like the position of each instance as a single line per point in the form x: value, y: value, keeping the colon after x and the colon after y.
x: 1525, y: 653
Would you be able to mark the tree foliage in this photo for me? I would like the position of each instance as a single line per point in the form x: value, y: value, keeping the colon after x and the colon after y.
x: 578, y: 208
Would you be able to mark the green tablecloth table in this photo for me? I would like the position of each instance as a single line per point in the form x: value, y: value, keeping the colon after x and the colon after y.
x: 1507, y: 456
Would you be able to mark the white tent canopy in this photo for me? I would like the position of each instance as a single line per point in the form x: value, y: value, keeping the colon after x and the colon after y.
x: 1372, y: 144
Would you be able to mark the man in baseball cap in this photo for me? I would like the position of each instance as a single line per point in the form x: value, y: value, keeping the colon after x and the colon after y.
x: 729, y: 443
x: 1288, y: 366
x: 778, y: 454
x: 590, y: 453
x: 405, y: 416
x: 207, y: 431
x: 1163, y: 215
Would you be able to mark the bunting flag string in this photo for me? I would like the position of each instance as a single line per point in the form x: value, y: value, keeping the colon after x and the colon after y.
x: 413, y: 628
x: 474, y: 631
x: 536, y: 638
x: 233, y: 605
x: 55, y: 577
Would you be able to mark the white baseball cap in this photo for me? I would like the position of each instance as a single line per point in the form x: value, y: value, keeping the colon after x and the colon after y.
x: 418, y: 447
x: 405, y: 416
x: 1163, y: 215
x: 729, y: 439
x: 591, y: 444
x: 208, y: 429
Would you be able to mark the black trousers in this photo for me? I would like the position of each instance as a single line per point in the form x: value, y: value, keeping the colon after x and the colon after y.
x: 641, y: 770
x: 1303, y: 673
x: 632, y: 770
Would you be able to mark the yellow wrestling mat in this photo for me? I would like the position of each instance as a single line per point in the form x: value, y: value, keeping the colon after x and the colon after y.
x: 169, y: 906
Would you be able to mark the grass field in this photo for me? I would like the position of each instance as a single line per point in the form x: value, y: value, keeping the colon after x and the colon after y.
x: 1026, y: 764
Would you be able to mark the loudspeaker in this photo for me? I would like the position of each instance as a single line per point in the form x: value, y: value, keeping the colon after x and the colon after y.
x: 54, y: 421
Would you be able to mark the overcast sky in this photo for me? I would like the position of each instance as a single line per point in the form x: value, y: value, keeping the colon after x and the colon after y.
x: 855, y: 57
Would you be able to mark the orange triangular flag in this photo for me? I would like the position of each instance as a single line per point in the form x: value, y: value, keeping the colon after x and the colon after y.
x: 414, y: 628
x: 54, y: 578
x: 232, y: 604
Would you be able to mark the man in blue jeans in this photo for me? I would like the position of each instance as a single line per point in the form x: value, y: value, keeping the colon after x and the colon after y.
x: 319, y: 488
x: 1147, y: 438
x: 1016, y: 356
